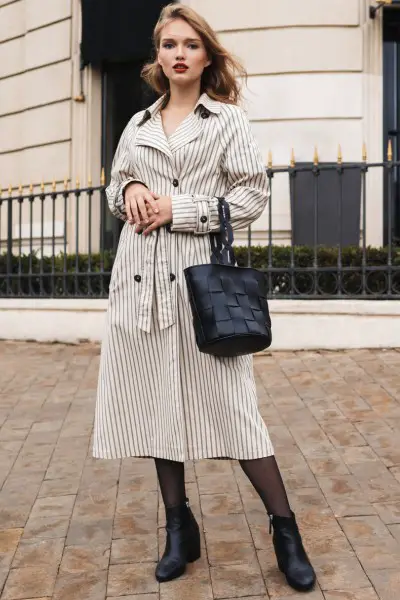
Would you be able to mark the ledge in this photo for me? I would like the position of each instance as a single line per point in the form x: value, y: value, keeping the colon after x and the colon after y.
x: 296, y: 324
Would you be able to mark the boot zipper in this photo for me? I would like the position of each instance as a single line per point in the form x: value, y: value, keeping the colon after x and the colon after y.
x: 270, y: 523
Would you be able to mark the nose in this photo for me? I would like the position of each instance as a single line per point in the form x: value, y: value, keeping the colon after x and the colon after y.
x: 180, y: 55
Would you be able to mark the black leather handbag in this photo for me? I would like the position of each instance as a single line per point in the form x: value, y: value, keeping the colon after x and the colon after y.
x: 229, y: 303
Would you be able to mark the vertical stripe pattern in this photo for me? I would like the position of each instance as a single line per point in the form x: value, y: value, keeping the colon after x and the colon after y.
x: 157, y: 394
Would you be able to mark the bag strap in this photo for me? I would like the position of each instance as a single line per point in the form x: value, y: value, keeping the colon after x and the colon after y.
x: 221, y: 242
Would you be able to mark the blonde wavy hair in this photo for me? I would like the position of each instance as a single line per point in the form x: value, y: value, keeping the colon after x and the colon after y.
x: 220, y: 80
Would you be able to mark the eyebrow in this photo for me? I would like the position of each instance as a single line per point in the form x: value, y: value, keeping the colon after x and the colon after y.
x: 170, y: 39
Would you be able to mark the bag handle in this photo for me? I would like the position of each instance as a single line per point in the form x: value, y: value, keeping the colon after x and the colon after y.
x: 221, y: 242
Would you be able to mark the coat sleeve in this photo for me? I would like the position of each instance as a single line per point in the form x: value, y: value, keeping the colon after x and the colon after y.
x: 246, y: 180
x: 122, y: 171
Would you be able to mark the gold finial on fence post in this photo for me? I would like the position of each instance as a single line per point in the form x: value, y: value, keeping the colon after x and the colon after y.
x: 42, y: 187
x: 269, y: 160
x: 316, y: 157
x: 53, y: 186
x: 390, y: 151
x: 31, y: 188
x: 10, y: 190
x: 292, y: 159
x: 339, y: 155
x: 90, y: 181
x: 66, y: 184
x: 78, y: 183
x: 102, y: 177
x: 20, y: 189
x: 364, y: 152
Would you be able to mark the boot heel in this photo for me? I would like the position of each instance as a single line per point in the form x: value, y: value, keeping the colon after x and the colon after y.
x: 193, y: 554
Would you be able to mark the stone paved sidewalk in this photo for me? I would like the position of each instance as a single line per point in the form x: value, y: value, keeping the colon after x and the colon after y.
x: 73, y: 528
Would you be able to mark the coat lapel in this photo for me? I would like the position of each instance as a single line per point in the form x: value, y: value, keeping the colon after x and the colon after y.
x: 187, y: 132
x: 151, y: 134
x: 151, y: 131
x: 191, y: 128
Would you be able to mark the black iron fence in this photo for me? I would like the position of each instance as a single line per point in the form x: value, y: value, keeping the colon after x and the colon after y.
x: 62, y: 242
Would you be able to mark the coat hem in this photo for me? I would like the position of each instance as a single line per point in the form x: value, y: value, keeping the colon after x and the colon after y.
x: 178, y: 457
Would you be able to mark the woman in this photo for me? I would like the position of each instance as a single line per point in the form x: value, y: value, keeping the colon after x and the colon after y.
x: 158, y: 395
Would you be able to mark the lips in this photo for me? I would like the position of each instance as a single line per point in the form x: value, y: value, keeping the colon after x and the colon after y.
x: 180, y: 67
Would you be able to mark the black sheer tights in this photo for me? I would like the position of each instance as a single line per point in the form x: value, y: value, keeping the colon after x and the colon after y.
x: 266, y: 479
x: 171, y: 477
x: 263, y: 473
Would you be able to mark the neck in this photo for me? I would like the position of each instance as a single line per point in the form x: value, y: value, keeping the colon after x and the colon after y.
x: 184, y: 98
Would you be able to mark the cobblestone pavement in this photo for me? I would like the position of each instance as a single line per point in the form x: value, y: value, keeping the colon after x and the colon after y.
x: 73, y: 528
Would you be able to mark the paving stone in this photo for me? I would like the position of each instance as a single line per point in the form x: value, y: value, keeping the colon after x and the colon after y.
x: 232, y: 581
x: 365, y: 530
x: 345, y: 496
x: 89, y: 531
x: 131, y: 579
x: 29, y: 582
x: 40, y: 553
x: 46, y: 527
x: 388, y: 556
x: 395, y: 531
x: 325, y: 465
x: 221, y: 504
x: 82, y: 559
x: 140, y: 548
x: 9, y: 540
x: 59, y: 487
x: 127, y: 526
x: 386, y: 583
x: 216, y: 483
x: 79, y: 586
x: 135, y: 597
x: 364, y: 594
x: 57, y: 506
x: 195, y: 585
x: 335, y: 573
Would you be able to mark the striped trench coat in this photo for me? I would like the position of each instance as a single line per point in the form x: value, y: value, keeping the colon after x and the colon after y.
x: 158, y: 396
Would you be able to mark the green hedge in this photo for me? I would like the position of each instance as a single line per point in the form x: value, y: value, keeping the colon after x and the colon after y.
x: 33, y: 277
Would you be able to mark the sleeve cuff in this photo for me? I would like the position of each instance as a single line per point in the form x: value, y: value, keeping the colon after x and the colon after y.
x: 120, y: 202
x: 191, y: 214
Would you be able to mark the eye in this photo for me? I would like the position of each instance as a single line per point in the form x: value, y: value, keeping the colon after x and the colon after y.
x: 167, y: 45
x: 193, y: 46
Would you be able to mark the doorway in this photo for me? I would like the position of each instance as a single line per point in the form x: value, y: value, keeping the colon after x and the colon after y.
x: 124, y: 93
x: 391, y: 118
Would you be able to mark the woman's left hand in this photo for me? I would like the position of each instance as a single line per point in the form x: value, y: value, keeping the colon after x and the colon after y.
x: 161, y: 218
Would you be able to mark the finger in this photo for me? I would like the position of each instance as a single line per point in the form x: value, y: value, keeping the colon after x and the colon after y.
x: 151, y: 227
x: 142, y: 209
x: 140, y: 228
x: 135, y: 213
x: 128, y: 210
x: 153, y: 203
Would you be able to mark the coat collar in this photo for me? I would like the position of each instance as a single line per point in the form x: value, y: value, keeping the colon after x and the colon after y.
x: 204, y: 100
x: 151, y: 132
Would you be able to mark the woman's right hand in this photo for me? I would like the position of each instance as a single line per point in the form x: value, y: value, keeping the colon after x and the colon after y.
x: 137, y: 198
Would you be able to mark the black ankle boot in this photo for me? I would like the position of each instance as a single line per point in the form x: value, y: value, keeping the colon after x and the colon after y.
x: 183, y: 542
x: 290, y: 553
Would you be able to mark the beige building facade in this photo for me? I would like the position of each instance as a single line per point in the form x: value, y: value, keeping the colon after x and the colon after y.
x: 315, y: 79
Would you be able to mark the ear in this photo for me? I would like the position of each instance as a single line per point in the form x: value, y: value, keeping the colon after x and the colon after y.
x: 208, y: 63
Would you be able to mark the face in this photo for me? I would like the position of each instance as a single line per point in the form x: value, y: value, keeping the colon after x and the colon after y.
x: 182, y: 54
